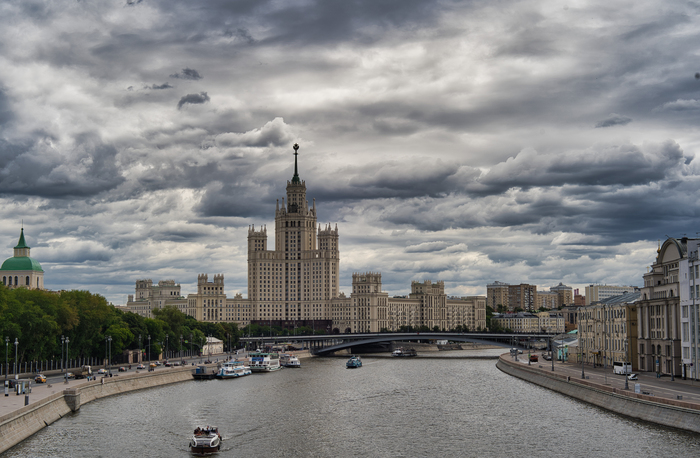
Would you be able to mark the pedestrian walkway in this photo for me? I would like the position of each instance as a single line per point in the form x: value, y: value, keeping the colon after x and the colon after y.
x: 648, y: 383
x: 13, y: 402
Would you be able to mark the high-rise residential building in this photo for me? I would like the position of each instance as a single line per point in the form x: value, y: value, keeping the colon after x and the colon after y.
x: 595, y: 293
x: 497, y: 295
x: 565, y: 294
x: 297, y: 284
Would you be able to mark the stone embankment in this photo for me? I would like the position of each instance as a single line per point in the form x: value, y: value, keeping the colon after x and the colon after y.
x: 22, y: 423
x: 663, y: 411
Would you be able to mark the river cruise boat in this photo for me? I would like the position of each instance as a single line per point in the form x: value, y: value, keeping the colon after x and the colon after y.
x: 288, y: 360
x: 354, y: 362
x: 264, y: 362
x: 404, y: 352
x: 205, y: 440
x: 233, y: 369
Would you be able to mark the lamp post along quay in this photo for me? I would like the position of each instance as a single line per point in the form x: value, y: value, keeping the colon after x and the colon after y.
x: 7, y: 366
x: 16, y: 345
x: 67, y: 359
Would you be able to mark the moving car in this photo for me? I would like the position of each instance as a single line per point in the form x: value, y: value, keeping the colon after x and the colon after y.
x: 140, y: 366
x: 122, y: 369
x: 632, y: 377
x: 40, y: 378
x: 70, y: 375
x: 102, y: 371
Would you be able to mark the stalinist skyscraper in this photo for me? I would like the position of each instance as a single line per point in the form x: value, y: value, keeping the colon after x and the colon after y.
x: 296, y: 280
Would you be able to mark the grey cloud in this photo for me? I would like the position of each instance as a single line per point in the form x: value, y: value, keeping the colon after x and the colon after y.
x: 187, y: 74
x: 600, y: 165
x: 613, y: 120
x: 160, y: 86
x: 40, y: 169
x: 202, y: 97
x: 682, y: 105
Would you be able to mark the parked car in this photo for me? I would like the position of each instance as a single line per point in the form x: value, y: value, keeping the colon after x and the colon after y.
x: 533, y: 358
x: 547, y: 357
x: 632, y: 377
x: 122, y: 369
x: 168, y: 364
x: 40, y: 378
x: 157, y: 363
x: 140, y: 366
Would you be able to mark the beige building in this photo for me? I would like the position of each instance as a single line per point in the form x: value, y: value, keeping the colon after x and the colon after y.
x: 524, y: 322
x: 368, y: 309
x: 608, y: 331
x: 298, y: 281
x: 659, y: 340
x: 597, y: 293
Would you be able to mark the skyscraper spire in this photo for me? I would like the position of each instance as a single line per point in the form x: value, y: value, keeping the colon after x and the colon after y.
x: 295, y: 179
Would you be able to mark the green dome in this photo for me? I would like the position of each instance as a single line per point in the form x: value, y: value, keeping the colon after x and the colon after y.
x: 21, y: 263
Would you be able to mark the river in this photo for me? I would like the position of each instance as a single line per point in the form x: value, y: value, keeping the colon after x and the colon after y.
x: 413, y: 407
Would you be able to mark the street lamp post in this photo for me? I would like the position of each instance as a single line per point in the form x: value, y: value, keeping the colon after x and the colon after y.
x: 190, y: 345
x: 580, y: 344
x: 7, y: 366
x: 16, y: 345
x: 166, y: 345
x: 140, y: 351
x: 181, y: 347
x: 149, y: 352
x: 627, y: 353
x: 63, y: 341
x: 66, y: 372
x: 109, y: 361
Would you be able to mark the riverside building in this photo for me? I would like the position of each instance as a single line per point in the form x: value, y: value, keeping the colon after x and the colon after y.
x: 297, y: 283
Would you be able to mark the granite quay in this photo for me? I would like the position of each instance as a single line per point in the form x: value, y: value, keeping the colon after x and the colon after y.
x: 657, y: 400
x: 50, y: 402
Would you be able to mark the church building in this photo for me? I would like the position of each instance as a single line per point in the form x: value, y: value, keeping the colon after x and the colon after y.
x: 21, y: 271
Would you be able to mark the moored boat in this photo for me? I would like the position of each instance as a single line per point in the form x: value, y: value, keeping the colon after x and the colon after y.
x: 404, y: 352
x: 354, y: 362
x: 205, y: 440
x: 288, y: 360
x: 233, y: 369
x: 203, y: 373
x: 264, y: 362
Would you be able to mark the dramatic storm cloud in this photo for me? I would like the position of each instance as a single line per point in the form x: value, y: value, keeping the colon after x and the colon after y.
x: 521, y: 141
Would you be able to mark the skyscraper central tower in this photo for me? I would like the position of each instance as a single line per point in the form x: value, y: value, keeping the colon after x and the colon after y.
x: 296, y: 280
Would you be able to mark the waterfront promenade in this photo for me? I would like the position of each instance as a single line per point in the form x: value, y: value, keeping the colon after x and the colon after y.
x: 655, y: 399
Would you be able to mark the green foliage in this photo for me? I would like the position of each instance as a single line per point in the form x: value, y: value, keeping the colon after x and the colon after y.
x: 38, y: 319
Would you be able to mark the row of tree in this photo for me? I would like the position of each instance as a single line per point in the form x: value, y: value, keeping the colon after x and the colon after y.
x: 42, y: 321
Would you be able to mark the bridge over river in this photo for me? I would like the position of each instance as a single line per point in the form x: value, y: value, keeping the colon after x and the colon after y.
x: 328, y: 344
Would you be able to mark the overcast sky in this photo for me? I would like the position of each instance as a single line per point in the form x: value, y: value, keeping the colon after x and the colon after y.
x: 465, y: 141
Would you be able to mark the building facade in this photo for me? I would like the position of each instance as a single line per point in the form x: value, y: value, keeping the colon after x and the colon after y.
x: 298, y: 282
x: 659, y: 311
x: 597, y: 293
x: 689, y: 278
x: 608, y: 331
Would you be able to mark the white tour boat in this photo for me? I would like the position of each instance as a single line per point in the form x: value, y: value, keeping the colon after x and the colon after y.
x: 288, y: 360
x: 233, y: 369
x: 264, y: 362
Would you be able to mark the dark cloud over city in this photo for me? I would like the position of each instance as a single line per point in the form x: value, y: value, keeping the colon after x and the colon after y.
x: 461, y: 141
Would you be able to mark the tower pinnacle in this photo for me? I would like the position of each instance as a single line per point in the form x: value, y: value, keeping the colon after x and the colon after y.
x: 295, y: 179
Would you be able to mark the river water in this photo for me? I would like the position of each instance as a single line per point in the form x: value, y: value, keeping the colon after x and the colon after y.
x: 413, y: 407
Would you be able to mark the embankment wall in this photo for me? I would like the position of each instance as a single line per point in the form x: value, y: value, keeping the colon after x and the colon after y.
x: 21, y: 424
x: 667, y: 412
